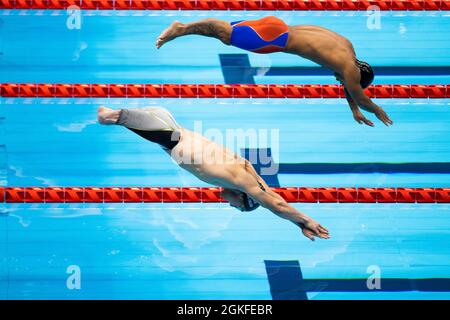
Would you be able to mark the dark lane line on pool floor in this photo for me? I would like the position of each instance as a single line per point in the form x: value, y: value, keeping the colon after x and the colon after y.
x: 261, y: 158
x: 287, y: 283
x: 236, y: 69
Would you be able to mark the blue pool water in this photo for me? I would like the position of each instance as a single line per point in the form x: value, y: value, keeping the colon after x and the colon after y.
x: 201, y: 251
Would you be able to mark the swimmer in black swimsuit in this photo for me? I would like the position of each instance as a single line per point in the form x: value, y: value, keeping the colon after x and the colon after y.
x: 211, y: 163
x: 152, y: 123
x: 320, y: 45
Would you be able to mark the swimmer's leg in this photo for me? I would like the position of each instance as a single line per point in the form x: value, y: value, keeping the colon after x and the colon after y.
x: 209, y: 27
x: 148, y: 118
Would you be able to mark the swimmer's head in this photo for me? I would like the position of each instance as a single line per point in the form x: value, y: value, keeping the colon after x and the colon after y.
x: 249, y: 203
x: 239, y: 200
x: 366, y: 72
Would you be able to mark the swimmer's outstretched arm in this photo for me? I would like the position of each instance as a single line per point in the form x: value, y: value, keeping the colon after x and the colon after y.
x: 352, y: 78
x: 357, y: 115
x: 272, y: 201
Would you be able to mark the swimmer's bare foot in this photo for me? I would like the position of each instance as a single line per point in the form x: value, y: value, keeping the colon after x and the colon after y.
x: 107, y: 115
x: 173, y: 31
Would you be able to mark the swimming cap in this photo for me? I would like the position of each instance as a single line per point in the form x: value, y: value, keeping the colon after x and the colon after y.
x: 249, y: 203
x: 366, y: 72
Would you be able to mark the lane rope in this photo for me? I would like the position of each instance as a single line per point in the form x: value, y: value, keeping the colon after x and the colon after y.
x: 212, y: 195
x: 260, y: 5
x: 45, y: 90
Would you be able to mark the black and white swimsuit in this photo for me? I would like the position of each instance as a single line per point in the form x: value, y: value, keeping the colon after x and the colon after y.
x: 155, y: 124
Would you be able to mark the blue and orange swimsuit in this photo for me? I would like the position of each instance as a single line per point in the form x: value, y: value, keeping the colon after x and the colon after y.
x: 265, y: 35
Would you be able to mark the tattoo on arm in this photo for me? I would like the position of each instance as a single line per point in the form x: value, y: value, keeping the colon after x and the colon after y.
x: 249, y: 168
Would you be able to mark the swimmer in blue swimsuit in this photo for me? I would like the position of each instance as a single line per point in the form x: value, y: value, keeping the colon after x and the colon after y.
x: 270, y: 34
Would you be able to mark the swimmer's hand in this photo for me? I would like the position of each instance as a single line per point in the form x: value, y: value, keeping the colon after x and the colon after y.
x: 382, y: 115
x: 311, y: 229
x: 359, y: 117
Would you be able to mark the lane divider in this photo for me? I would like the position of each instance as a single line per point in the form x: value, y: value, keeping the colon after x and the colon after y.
x: 212, y: 194
x: 282, y: 5
x: 43, y: 90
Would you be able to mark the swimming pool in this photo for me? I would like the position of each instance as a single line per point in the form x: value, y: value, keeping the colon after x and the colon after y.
x: 208, y: 250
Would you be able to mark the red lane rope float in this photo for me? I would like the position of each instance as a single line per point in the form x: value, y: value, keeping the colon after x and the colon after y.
x: 43, y: 90
x: 212, y: 194
x: 298, y: 5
